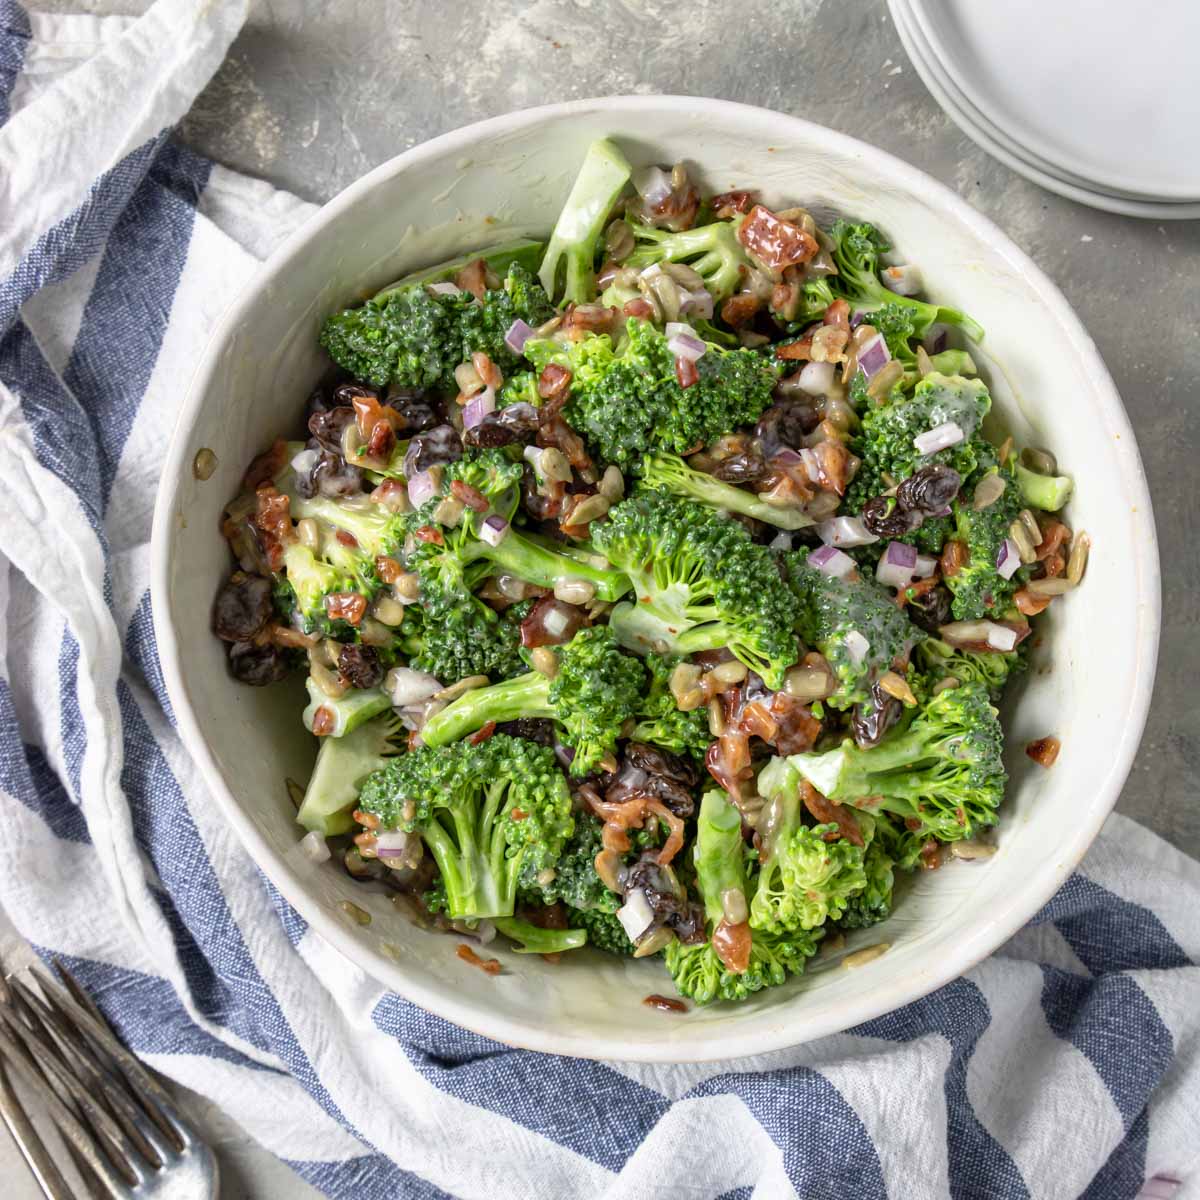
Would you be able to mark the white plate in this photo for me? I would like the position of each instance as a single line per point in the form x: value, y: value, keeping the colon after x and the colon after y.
x: 976, y: 126
x: 1115, y: 105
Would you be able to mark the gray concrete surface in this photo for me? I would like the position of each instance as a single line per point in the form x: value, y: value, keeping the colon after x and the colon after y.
x: 314, y: 94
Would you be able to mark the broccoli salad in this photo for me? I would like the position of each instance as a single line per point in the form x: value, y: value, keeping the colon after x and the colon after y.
x: 655, y: 585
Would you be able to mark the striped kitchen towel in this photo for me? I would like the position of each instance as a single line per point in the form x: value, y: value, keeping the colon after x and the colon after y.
x: 1067, y: 1065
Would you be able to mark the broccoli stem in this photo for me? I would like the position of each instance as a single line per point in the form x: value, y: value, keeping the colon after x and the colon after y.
x: 671, y: 472
x: 349, y: 711
x: 718, y: 855
x: 342, y: 762
x: 525, y: 696
x: 472, y: 885
x: 533, y: 940
x: 1047, y: 492
x: 533, y: 563
x: 571, y: 253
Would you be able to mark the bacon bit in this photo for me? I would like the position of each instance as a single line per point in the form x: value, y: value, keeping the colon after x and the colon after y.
x: 828, y: 812
x: 582, y: 319
x: 728, y: 761
x: 664, y: 1003
x: 1053, y: 537
x: 553, y: 384
x: 916, y: 590
x: 797, y: 729
x: 740, y: 310
x: 414, y: 740
x: 954, y: 558
x: 366, y: 819
x: 674, y: 842
x: 833, y: 465
x: 774, y: 242
x: 606, y: 274
x: 639, y: 307
x: 1029, y: 604
x: 274, y: 522
x: 482, y: 734
x: 624, y: 815
x: 489, y: 965
x: 554, y: 431
x: 473, y: 278
x: 838, y: 314
x: 487, y: 370
x: 266, y: 466
x: 369, y: 413
x: 472, y: 497
x: 430, y: 533
x: 731, y: 944
x: 686, y: 373
x: 677, y: 209
x: 293, y: 639
x: 346, y: 606
x: 347, y: 539
x: 756, y: 721
x: 1044, y: 751
x: 391, y: 493
x: 930, y: 856
x: 517, y: 814
x: 797, y: 351
x: 323, y: 722
x: 729, y: 204
x: 1054, y: 565
x: 388, y: 569
x: 365, y: 842
x: 381, y: 443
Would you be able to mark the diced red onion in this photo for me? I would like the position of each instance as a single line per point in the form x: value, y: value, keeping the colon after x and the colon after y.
x: 904, y: 280
x: 493, y: 530
x: 671, y: 328
x: 685, y: 345
x: 406, y: 686
x: 1008, y: 559
x: 519, y: 332
x: 314, y: 847
x: 831, y: 561
x: 635, y: 915
x: 857, y: 318
x: 479, y: 407
x: 940, y: 437
x: 895, y: 566
x: 445, y: 288
x: 421, y: 487
x: 925, y: 566
x: 845, y: 531
x: 856, y: 646
x: 936, y: 338
x: 1000, y: 637
x: 699, y: 301
x: 874, y: 356
x: 304, y: 462
x: 653, y: 184
x: 787, y: 457
x: 816, y: 378
x: 555, y: 622
x: 393, y: 843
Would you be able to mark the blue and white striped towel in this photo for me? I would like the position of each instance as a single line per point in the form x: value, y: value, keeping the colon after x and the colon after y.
x: 1068, y: 1065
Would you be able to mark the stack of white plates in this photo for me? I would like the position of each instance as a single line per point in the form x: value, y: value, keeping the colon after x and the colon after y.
x: 1095, y: 100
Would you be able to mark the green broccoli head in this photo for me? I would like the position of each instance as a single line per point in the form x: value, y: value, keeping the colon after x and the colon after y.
x: 453, y: 635
x: 314, y: 589
x: 942, y: 774
x: 937, y: 660
x: 854, y: 623
x: 661, y: 722
x: 978, y: 587
x: 488, y: 814
x: 713, y: 251
x: 575, y: 880
x: 701, y: 583
x: 874, y: 902
x: 604, y: 930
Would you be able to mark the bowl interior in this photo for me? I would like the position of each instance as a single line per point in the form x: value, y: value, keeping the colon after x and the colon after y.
x: 1092, y: 669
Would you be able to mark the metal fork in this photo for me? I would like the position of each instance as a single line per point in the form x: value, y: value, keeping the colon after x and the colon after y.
x: 123, y: 1130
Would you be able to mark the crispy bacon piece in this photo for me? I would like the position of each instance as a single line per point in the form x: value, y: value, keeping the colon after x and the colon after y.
x: 473, y: 278
x: 346, y: 606
x: 347, y: 539
x: 774, y: 242
x: 740, y: 310
x: 554, y: 431
x: 731, y: 944
x: 472, y: 497
x: 1029, y: 604
x: 553, y: 384
x: 729, y: 204
x: 583, y: 319
x: 1044, y: 751
x: 388, y: 569
x: 431, y: 534
x: 829, y: 813
x: 266, y: 466
x: 273, y: 520
x: 1053, y: 537
x: 480, y: 736
x: 639, y: 307
x: 323, y: 722
x: 797, y: 351
x: 686, y: 372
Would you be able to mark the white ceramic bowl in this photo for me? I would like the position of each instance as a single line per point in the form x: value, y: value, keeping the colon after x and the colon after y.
x: 1094, y: 667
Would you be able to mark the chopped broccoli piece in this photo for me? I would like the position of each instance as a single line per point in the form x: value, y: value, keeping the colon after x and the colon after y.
x: 452, y: 634
x: 487, y: 813
x: 978, y: 587
x: 575, y: 881
x: 712, y: 251
x: 568, y: 271
x: 671, y: 473
x: 992, y: 668
x: 533, y: 939
x: 595, y: 692
x: 837, y: 616
x: 942, y: 774
x: 1047, y: 492
x: 874, y: 902
x: 661, y: 722
x: 347, y: 711
x: 701, y: 583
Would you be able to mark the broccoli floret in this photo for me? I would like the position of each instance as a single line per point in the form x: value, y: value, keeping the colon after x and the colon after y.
x: 670, y: 472
x: 804, y: 879
x: 575, y: 881
x: 412, y: 338
x: 661, y: 722
x: 992, y: 668
x: 533, y: 939
x: 604, y: 930
x: 942, y: 774
x: 626, y: 400
x: 886, y: 446
x: 595, y: 692
x: 856, y: 252
x: 811, y: 301
x: 342, y: 764
x: 712, y: 251
x: 453, y: 634
x: 854, y: 623
x: 978, y: 587
x: 1047, y: 492
x: 486, y: 813
x: 568, y: 271
x: 874, y: 902
x: 720, y: 862
x: 701, y: 583
x: 311, y: 584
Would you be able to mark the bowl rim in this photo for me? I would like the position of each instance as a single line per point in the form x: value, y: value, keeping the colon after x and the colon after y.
x: 775, y: 1031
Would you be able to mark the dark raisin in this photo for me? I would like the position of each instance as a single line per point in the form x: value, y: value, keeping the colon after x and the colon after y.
x: 328, y: 426
x: 930, y: 489
x: 516, y: 423
x: 318, y: 402
x: 347, y: 393
x: 875, y: 717
x: 749, y: 467
x: 243, y: 607
x: 932, y: 610
x: 417, y: 410
x: 786, y: 424
x: 532, y: 729
x: 257, y: 665
x: 885, y: 517
x: 435, y: 448
x: 359, y: 665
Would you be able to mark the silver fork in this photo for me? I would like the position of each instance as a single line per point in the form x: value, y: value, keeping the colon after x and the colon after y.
x: 122, y: 1129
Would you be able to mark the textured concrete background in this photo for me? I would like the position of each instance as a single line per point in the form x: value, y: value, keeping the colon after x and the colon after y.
x: 314, y: 94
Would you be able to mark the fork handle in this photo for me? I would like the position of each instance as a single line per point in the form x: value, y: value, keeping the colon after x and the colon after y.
x: 32, y: 1148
